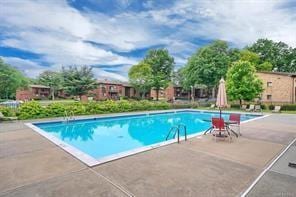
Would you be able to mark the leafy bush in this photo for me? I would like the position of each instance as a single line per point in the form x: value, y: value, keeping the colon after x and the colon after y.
x: 32, y: 110
x: 235, y: 106
x: 271, y: 107
x: 6, y: 111
x: 55, y: 110
x: 289, y: 107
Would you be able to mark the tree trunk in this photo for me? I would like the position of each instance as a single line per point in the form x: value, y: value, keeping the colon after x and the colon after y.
x: 240, y: 102
x: 52, y: 94
x: 213, y: 92
x: 157, y: 94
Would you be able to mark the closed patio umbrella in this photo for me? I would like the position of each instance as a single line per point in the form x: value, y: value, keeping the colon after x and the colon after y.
x: 221, y: 96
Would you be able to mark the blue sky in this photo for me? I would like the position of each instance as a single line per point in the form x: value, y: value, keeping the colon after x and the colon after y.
x: 112, y: 35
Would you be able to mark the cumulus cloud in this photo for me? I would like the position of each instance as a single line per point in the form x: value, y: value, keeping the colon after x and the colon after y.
x: 28, y: 67
x: 63, y: 35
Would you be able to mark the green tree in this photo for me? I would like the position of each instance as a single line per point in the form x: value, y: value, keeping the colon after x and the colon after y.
x: 140, y: 76
x: 51, y: 79
x: 162, y: 65
x: 279, y: 54
x: 242, y: 82
x: 10, y: 80
x: 253, y: 58
x: 208, y: 65
x: 78, y: 81
x: 265, y: 66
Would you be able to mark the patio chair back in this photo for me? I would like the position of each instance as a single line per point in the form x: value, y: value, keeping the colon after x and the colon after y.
x: 218, y: 123
x: 244, y: 107
x: 235, y: 117
x: 257, y: 107
x: 252, y: 107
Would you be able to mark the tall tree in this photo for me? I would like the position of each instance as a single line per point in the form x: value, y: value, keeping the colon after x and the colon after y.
x: 253, y: 58
x: 10, y: 80
x: 78, y: 81
x: 162, y: 65
x: 51, y: 79
x: 279, y: 54
x: 140, y: 76
x: 242, y: 82
x: 208, y: 64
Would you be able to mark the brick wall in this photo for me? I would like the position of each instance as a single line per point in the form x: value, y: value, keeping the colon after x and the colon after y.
x: 277, y: 88
x: 23, y: 95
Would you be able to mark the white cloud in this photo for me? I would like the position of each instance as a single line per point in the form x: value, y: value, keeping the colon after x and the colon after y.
x: 60, y: 33
x: 239, y: 22
x: 28, y: 67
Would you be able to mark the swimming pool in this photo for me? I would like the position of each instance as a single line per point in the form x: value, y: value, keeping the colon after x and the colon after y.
x: 102, y: 139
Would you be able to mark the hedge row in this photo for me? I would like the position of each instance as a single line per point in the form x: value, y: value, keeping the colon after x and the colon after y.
x: 31, y: 110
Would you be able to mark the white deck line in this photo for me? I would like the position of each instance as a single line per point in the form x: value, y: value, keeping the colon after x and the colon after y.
x: 266, y: 169
x: 90, y: 161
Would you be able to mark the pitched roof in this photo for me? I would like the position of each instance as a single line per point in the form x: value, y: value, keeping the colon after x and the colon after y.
x: 38, y: 86
x: 106, y: 81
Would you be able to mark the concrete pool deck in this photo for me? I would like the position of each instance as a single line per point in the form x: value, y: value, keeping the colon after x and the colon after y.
x: 30, y: 165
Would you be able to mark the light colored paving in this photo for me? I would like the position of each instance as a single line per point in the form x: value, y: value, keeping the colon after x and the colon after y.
x: 12, y: 126
x: 18, y: 135
x: 274, y: 184
x: 83, y: 183
x: 175, y: 171
x: 35, y: 166
x: 18, y: 142
x: 281, y: 166
x: 240, y: 150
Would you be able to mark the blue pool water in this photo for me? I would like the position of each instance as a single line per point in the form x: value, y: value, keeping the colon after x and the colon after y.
x: 103, y: 137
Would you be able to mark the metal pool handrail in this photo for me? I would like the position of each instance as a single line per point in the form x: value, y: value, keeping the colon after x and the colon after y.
x: 177, y: 131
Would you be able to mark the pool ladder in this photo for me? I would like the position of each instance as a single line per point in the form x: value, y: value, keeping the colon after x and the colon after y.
x: 68, y: 116
x: 176, y: 130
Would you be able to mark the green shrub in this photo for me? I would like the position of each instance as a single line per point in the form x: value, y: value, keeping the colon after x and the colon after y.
x: 77, y: 108
x: 55, y: 110
x: 235, y: 106
x: 271, y: 107
x: 32, y: 110
x: 289, y: 107
x: 6, y: 111
x: 263, y: 106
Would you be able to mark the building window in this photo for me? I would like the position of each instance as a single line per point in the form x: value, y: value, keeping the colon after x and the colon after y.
x: 269, y: 97
x: 269, y: 84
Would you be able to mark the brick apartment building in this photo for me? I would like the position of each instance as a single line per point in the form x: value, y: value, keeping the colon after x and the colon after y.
x: 33, y: 92
x: 112, y: 90
x: 279, y: 87
x: 105, y: 90
x: 173, y: 92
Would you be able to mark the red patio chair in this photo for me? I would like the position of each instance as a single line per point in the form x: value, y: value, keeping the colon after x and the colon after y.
x: 219, y: 128
x: 236, y: 118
